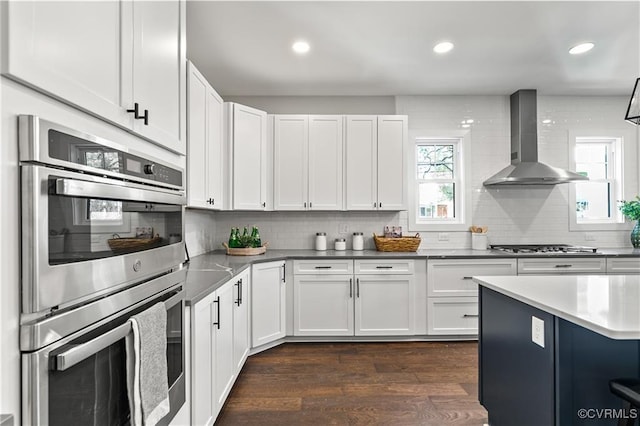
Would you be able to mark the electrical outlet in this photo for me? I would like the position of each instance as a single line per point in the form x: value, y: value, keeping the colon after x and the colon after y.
x: 343, y: 228
x: 537, y: 331
x: 443, y: 236
x: 589, y: 237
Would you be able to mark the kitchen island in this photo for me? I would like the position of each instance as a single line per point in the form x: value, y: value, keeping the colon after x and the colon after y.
x: 548, y: 346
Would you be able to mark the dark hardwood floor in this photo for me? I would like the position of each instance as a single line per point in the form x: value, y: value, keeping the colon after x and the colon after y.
x: 404, y: 383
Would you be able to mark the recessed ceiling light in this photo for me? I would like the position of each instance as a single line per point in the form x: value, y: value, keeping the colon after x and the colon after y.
x: 300, y: 47
x: 470, y: 120
x: 466, y: 125
x: 546, y: 121
x: 443, y: 47
x: 581, y: 48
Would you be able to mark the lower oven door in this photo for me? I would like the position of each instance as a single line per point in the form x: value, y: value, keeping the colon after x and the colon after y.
x: 83, y: 379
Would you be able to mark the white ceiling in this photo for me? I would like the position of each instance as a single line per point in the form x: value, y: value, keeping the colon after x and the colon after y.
x: 385, y: 47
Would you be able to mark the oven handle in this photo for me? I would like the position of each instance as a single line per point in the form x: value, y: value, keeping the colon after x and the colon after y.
x: 68, y: 359
x: 83, y: 188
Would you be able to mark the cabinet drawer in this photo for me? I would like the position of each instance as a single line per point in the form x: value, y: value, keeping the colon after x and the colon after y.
x: 623, y: 265
x: 333, y: 266
x: 564, y: 265
x: 453, y: 277
x: 452, y: 316
x: 384, y: 266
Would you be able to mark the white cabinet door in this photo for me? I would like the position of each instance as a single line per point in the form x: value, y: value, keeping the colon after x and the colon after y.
x: 392, y: 176
x: 361, y: 162
x: 268, y: 297
x: 323, y: 305
x: 249, y: 156
x: 384, y: 305
x: 325, y: 162
x: 203, y: 406
x: 452, y: 316
x: 241, y: 302
x: 197, y: 153
x: 223, y: 358
x: 623, y: 265
x: 157, y: 64
x: 291, y: 156
x: 71, y: 50
x: 215, y: 149
x: 452, y: 277
x: 205, y: 149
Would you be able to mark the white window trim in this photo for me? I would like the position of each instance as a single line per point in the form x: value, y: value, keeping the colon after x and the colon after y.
x: 463, y: 206
x: 610, y: 225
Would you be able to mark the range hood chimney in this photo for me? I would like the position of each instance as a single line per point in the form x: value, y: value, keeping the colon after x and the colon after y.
x: 525, y: 169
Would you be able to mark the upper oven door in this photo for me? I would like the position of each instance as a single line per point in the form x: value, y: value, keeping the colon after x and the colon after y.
x: 85, y: 236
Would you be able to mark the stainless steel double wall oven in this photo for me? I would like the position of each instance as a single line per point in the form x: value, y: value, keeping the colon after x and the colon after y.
x: 102, y: 239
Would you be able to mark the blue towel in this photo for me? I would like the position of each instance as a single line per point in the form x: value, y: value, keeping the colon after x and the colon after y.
x: 147, y: 383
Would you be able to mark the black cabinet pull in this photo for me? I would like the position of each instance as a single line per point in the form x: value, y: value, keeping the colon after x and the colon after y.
x: 470, y: 316
x: 467, y: 278
x: 284, y: 272
x: 384, y: 267
x: 379, y: 204
x: 136, y: 113
x: 217, y: 323
x: 239, y: 299
x: 350, y: 288
x: 264, y: 204
x: 563, y: 266
x: 305, y: 204
x: 310, y: 204
x: 323, y: 267
x: 357, y: 287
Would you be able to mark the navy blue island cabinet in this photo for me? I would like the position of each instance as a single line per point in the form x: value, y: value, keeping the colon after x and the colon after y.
x: 566, y: 382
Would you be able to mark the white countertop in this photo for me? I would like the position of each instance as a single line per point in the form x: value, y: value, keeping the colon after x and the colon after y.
x: 606, y: 304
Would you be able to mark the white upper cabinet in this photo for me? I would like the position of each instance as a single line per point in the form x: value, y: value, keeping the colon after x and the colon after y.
x: 362, y: 162
x: 392, y: 176
x: 291, y: 158
x: 325, y: 162
x: 375, y: 164
x: 307, y: 162
x: 205, y: 147
x: 247, y: 138
x: 104, y: 57
x: 158, y: 71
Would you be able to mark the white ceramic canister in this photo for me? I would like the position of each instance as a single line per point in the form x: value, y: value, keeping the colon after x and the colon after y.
x: 340, y: 244
x: 478, y: 241
x: 321, y: 241
x: 358, y: 241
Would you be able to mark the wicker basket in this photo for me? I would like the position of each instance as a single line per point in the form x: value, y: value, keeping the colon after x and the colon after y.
x: 397, y: 244
x: 119, y: 245
x: 246, y: 251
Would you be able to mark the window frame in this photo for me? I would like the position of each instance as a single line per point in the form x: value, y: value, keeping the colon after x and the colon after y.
x: 460, y: 140
x: 616, y: 179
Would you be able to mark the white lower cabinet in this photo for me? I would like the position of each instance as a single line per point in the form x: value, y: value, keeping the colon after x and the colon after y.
x: 452, y: 297
x: 623, y: 265
x: 384, y: 305
x: 452, y: 315
x: 268, y: 302
x: 323, y: 305
x: 219, y: 338
x: 330, y: 304
x: 241, y: 303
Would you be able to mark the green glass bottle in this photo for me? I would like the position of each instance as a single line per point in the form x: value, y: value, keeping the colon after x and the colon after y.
x: 255, y: 237
x: 233, y: 238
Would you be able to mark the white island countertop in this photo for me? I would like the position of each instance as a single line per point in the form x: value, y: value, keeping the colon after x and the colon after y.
x: 606, y: 304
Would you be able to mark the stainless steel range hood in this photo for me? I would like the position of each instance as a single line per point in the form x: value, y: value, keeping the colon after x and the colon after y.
x: 525, y: 169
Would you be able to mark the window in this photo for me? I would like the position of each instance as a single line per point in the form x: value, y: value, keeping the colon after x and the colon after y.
x: 98, y: 211
x: 595, y: 201
x: 438, y: 187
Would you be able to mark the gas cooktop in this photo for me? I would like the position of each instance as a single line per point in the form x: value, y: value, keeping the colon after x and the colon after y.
x: 543, y: 248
